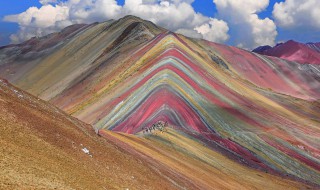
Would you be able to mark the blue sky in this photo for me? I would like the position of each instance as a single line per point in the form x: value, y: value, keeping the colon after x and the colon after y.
x: 225, y: 28
x: 8, y: 8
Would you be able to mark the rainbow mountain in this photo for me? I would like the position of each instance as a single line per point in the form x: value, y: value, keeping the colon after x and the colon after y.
x: 235, y: 118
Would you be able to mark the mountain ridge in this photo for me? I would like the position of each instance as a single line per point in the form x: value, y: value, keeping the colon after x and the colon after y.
x: 247, y: 104
x: 293, y: 51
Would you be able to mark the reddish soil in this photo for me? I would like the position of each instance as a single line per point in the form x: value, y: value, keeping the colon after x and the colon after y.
x: 41, y: 148
x: 295, y: 51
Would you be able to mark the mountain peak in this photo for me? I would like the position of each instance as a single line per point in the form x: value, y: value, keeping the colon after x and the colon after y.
x: 292, y: 42
x: 293, y: 51
x: 128, y: 17
x: 129, y: 75
x: 261, y: 49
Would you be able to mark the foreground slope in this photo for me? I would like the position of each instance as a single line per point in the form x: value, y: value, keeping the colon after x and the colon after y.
x: 126, y: 75
x: 198, y: 163
x: 41, y: 148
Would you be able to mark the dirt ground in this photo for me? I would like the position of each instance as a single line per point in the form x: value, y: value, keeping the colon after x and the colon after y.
x: 43, y: 148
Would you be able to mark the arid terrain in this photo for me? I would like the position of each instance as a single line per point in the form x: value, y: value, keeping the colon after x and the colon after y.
x: 128, y: 104
x: 41, y: 148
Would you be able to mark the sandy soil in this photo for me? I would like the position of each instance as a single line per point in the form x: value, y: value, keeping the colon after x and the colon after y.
x: 41, y: 148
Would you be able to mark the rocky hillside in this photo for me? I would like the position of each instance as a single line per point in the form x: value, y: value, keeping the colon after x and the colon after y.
x: 127, y: 75
x: 41, y: 147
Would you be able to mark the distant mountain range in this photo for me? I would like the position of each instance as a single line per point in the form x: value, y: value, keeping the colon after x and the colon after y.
x: 293, y: 51
x: 234, y: 119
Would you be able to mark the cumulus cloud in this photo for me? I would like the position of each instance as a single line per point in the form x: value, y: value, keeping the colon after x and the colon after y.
x: 297, y: 13
x: 169, y: 14
x: 33, y: 21
x: 249, y: 30
x: 87, y: 11
x: 216, y: 30
x: 189, y: 32
x: 176, y: 15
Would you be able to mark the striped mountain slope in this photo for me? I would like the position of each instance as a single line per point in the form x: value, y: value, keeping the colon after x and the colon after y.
x: 127, y: 75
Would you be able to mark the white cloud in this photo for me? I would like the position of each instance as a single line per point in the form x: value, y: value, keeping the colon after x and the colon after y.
x: 249, y: 30
x: 216, y: 30
x: 39, y: 21
x: 175, y: 15
x: 298, y: 13
x: 189, y: 32
x: 172, y: 15
x: 87, y: 11
x: 43, y: 17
